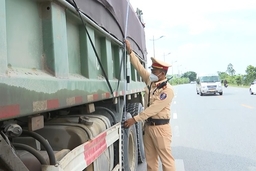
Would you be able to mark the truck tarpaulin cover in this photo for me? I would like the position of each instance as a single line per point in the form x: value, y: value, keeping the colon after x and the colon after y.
x: 111, y: 15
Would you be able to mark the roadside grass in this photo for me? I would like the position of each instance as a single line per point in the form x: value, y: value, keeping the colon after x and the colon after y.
x: 239, y: 86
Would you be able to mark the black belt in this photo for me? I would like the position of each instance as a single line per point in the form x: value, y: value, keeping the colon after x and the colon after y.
x: 151, y: 121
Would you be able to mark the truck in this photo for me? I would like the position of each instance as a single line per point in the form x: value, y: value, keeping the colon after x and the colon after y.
x: 67, y: 85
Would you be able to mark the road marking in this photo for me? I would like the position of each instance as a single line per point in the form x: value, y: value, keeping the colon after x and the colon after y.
x: 176, y: 132
x: 179, y: 165
x: 175, y: 116
x: 247, y: 106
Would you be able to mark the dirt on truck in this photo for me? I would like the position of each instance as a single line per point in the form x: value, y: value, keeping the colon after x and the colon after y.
x: 66, y: 85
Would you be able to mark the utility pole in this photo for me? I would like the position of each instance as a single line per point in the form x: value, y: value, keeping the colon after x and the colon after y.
x: 154, y: 44
x: 166, y: 55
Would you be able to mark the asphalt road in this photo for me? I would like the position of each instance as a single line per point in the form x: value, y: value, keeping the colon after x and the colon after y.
x: 213, y: 132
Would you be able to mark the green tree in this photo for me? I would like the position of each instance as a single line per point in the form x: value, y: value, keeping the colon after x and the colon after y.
x: 223, y: 75
x: 251, y: 74
x: 238, y: 79
x: 191, y: 75
x: 230, y: 70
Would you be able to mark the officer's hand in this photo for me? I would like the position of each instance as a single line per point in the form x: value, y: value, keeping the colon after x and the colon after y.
x: 128, y: 47
x: 129, y: 122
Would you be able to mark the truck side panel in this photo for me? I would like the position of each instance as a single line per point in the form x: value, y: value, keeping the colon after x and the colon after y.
x: 48, y: 63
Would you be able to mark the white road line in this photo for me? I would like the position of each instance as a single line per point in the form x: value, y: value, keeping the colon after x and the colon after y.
x: 174, y: 116
x: 176, y: 131
x: 179, y: 165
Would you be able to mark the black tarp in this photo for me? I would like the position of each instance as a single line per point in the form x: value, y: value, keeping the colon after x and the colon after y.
x: 111, y: 15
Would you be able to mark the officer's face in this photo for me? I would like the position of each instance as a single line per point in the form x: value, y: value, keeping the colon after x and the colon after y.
x: 157, y: 72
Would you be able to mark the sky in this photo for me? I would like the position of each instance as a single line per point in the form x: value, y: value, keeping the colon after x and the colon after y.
x: 200, y: 35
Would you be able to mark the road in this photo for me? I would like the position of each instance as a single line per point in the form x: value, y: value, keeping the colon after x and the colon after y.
x: 213, y: 133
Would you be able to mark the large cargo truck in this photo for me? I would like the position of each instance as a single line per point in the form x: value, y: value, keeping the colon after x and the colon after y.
x: 66, y: 85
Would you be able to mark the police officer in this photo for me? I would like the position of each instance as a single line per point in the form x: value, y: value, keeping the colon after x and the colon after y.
x: 158, y: 98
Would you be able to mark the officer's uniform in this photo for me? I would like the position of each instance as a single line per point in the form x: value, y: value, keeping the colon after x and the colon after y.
x: 157, y: 137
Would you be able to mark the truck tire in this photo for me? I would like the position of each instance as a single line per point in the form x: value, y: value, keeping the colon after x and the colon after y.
x: 134, y: 109
x: 129, y: 148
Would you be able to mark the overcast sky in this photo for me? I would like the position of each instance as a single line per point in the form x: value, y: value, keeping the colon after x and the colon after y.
x: 201, y: 35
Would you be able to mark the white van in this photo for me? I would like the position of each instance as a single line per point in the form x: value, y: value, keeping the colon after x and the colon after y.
x: 208, y: 84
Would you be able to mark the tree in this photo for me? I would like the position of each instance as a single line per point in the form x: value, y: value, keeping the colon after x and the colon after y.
x: 238, y: 79
x: 251, y: 74
x: 230, y: 70
x: 191, y: 75
x: 223, y: 75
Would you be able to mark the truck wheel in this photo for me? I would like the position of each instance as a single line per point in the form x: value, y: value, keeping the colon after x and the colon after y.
x: 134, y: 109
x: 129, y: 148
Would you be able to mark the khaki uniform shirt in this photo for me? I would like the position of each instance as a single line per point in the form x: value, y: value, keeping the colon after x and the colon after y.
x: 160, y: 101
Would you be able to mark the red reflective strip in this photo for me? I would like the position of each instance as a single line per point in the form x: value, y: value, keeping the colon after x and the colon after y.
x: 94, y: 148
x: 9, y: 111
x: 95, y: 97
x: 53, y: 104
x: 107, y: 95
x: 79, y: 99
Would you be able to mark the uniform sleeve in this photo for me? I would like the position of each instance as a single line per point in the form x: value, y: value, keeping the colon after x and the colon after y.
x: 163, y: 99
x: 139, y: 67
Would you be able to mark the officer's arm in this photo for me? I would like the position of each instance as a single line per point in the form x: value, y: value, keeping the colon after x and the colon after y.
x: 139, y: 67
x: 163, y: 100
